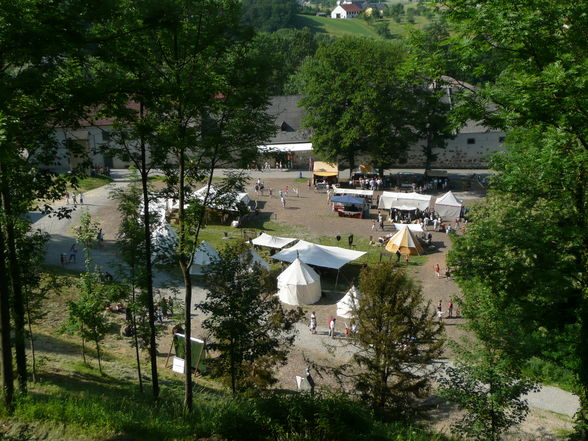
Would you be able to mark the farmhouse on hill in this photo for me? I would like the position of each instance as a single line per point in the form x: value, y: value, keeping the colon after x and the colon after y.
x: 346, y: 10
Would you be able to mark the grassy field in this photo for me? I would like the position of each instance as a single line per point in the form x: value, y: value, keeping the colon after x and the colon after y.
x: 355, y: 27
x: 90, y: 183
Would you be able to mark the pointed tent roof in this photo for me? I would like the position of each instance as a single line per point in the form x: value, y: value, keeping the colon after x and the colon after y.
x: 204, y: 254
x: 349, y: 301
x: 299, y: 284
x: 299, y: 273
x: 265, y: 240
x: 257, y: 259
x: 405, y: 242
x: 449, y: 199
x: 319, y: 255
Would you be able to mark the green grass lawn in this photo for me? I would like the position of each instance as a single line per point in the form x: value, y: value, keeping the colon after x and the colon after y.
x: 356, y: 26
x: 90, y: 183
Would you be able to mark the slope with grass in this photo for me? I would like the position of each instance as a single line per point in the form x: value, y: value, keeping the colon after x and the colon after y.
x: 71, y: 400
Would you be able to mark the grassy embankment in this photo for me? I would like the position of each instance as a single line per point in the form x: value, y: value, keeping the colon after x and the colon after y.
x: 357, y: 26
x: 90, y: 183
x: 73, y: 401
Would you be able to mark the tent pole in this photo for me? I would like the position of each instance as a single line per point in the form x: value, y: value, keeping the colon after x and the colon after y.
x: 337, y: 279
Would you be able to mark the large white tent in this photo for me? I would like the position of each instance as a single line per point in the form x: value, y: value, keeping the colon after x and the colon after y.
x: 299, y: 284
x: 405, y: 201
x: 448, y: 206
x: 228, y: 201
x: 318, y: 255
x: 266, y: 240
x: 348, y: 303
x: 414, y: 228
x: 203, y: 257
x: 165, y: 241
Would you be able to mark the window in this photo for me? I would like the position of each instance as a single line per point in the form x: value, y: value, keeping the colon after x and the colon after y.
x: 471, y: 140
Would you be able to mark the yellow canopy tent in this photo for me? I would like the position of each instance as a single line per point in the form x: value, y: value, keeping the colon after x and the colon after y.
x: 325, y: 169
x: 405, y: 242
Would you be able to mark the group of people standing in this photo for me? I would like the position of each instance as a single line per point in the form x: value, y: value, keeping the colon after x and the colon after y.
x: 331, y: 326
x: 75, y: 197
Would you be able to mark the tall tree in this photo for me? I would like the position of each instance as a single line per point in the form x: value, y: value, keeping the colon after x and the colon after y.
x: 357, y: 101
x: 209, y: 108
x: 43, y: 84
x: 269, y: 15
x: 396, y: 335
x: 250, y: 329
x: 540, y: 86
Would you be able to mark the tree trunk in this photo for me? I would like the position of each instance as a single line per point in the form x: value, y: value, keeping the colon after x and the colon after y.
x: 149, y: 267
x: 98, y: 355
x: 33, y: 359
x: 17, y: 297
x: 84, y: 348
x: 7, y: 374
x: 136, y: 338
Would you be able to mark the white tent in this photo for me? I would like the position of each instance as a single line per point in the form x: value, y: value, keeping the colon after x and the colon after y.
x: 448, y: 206
x: 165, y: 241
x: 414, y: 228
x: 353, y: 192
x: 227, y: 202
x: 256, y: 259
x: 265, y: 240
x: 405, y: 201
x: 203, y: 257
x: 299, y: 284
x: 319, y: 255
x: 348, y: 303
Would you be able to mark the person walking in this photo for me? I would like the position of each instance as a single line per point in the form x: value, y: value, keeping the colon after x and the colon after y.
x: 312, y: 325
x: 450, y: 308
x: 374, y: 225
x: 81, y: 198
x: 73, y: 252
x: 332, y: 325
x: 398, y: 256
x: 67, y: 197
x: 436, y: 268
x: 74, y: 198
x: 283, y: 200
x: 406, y: 258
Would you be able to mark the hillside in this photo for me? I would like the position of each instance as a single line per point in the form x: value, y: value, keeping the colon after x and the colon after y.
x: 356, y: 26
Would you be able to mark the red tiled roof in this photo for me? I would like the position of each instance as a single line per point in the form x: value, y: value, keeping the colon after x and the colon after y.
x: 351, y: 8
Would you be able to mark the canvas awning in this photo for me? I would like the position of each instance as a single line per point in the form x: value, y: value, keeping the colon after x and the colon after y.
x: 325, y: 169
x: 347, y: 200
x: 405, y: 201
x: 353, y: 191
x: 265, y: 240
x: 228, y: 201
x: 318, y: 255
x: 284, y: 148
x: 414, y: 228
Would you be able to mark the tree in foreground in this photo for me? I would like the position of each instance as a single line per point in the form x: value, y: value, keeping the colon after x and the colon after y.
x: 250, y: 329
x: 396, y: 337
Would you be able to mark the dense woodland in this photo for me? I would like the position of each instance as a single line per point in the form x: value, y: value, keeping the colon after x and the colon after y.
x: 201, y: 74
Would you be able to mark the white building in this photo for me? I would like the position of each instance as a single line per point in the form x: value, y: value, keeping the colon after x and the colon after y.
x: 345, y: 10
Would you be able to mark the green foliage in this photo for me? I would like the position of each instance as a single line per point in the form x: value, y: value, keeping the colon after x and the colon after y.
x: 488, y: 391
x: 87, y: 233
x: 397, y: 334
x: 249, y: 328
x: 269, y: 15
x: 357, y: 101
x: 86, y: 316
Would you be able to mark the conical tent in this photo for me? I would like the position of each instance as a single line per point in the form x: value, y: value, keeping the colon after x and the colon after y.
x: 348, y: 303
x: 165, y: 241
x: 299, y: 284
x: 448, y: 206
x: 256, y: 259
x: 405, y: 242
x: 203, y: 257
